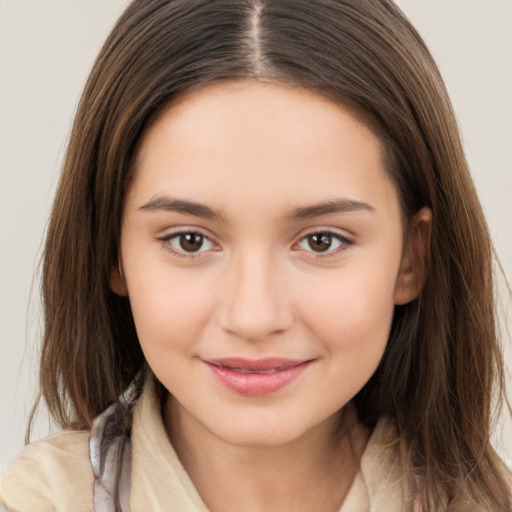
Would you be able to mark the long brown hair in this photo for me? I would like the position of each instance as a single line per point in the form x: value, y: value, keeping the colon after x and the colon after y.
x: 442, y: 364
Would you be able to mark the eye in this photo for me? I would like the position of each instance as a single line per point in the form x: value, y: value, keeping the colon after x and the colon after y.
x: 323, y: 242
x: 188, y: 243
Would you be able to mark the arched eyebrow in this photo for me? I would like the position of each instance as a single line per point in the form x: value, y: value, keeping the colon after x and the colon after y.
x: 168, y: 204
x: 329, y: 207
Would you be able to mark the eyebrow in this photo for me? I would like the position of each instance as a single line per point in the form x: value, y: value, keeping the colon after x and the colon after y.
x: 329, y: 207
x: 167, y: 204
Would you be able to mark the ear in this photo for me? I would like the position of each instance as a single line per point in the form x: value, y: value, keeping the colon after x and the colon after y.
x: 117, y: 282
x: 413, y: 269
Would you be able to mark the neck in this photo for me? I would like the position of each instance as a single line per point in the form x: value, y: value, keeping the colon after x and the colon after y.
x: 314, y: 472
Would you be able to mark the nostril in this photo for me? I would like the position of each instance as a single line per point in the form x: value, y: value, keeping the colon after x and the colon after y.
x: 254, y: 304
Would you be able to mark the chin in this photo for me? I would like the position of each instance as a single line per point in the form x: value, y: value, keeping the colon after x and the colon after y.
x: 272, y: 431
x: 260, y: 438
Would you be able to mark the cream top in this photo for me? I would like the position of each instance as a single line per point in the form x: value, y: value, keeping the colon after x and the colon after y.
x: 55, y: 475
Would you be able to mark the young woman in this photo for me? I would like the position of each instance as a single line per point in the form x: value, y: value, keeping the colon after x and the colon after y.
x: 267, y: 277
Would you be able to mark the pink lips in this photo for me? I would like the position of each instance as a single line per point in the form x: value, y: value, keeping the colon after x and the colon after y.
x: 256, y: 377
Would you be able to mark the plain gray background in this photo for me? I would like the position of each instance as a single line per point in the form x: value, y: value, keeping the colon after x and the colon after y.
x: 46, y: 50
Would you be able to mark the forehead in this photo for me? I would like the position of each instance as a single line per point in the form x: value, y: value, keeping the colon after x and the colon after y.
x: 269, y: 142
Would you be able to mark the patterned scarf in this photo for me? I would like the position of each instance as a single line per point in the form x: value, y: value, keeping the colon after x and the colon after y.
x: 111, y: 454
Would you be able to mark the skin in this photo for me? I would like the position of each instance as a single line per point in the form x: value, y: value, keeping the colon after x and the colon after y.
x: 258, y: 287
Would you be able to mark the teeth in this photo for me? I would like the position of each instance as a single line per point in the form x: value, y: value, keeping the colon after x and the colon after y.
x: 257, y: 372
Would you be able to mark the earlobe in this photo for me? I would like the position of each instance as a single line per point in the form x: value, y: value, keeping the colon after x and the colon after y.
x: 414, y: 266
x: 117, y: 282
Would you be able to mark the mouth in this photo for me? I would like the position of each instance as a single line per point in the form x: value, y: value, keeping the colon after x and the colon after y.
x: 256, y: 377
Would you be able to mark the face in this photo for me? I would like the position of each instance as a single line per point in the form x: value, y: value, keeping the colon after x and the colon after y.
x: 261, y: 252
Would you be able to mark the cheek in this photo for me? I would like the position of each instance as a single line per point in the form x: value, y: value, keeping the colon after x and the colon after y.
x: 352, y: 315
x: 170, y: 308
x: 353, y: 332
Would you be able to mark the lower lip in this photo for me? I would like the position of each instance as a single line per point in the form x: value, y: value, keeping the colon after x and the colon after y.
x: 257, y: 384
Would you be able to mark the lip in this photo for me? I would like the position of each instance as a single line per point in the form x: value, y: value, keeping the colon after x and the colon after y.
x: 257, y: 377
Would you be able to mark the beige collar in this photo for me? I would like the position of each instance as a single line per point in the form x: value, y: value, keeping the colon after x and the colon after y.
x: 160, y: 483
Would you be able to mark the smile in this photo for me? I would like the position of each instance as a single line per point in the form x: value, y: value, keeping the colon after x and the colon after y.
x: 256, y: 377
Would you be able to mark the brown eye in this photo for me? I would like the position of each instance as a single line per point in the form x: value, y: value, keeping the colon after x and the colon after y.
x: 191, y: 242
x: 187, y: 243
x: 324, y: 242
x: 320, y: 242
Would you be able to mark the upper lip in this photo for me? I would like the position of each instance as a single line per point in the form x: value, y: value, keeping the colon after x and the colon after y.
x: 268, y: 363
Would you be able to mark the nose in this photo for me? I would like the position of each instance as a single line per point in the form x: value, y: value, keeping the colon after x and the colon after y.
x: 255, y: 303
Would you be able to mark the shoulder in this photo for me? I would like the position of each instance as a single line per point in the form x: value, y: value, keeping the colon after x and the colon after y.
x: 52, y: 474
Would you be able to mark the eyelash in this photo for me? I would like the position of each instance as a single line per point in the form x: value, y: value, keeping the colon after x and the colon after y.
x: 166, y: 241
x: 344, y: 243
